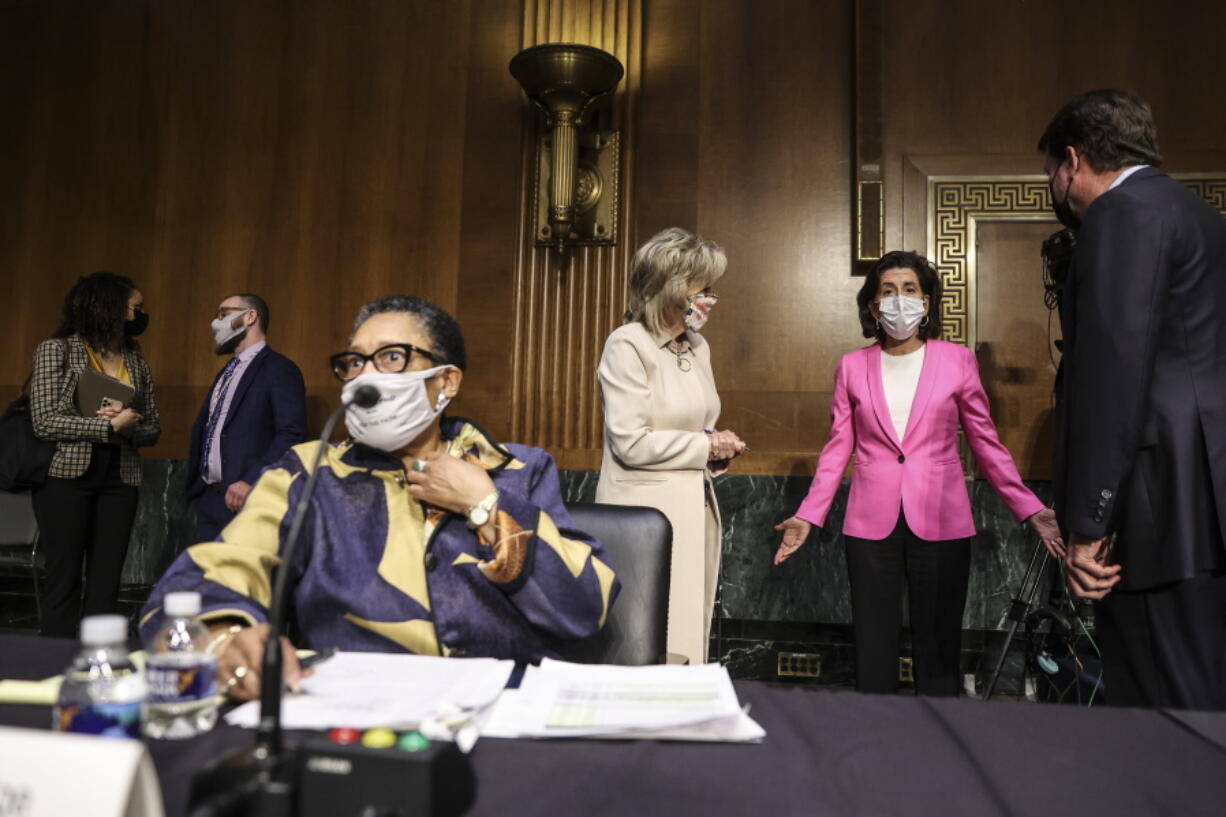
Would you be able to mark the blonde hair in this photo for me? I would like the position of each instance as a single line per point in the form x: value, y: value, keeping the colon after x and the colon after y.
x: 665, y: 269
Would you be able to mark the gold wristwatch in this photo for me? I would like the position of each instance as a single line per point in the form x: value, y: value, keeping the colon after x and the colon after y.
x: 480, y: 513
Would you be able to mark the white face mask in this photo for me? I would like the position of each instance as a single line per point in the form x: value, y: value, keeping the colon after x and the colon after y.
x: 223, y: 328
x: 699, y: 311
x: 900, y: 315
x: 402, y: 413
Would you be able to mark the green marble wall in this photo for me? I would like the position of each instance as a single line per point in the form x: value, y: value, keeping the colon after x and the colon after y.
x: 811, y: 587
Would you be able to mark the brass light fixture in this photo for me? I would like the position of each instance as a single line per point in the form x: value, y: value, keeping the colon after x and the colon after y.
x: 575, y: 164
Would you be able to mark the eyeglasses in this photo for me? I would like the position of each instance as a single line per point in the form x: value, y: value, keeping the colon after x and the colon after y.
x: 391, y: 359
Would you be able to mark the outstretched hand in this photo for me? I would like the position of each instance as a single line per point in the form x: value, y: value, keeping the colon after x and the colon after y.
x: 795, y: 532
x: 1045, y: 527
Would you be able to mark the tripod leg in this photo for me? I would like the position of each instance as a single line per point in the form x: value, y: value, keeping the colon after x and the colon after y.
x: 1018, y: 608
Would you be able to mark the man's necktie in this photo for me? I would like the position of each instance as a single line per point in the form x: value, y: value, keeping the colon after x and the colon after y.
x: 215, y: 415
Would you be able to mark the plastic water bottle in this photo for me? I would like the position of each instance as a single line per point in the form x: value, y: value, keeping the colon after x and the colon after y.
x: 102, y: 691
x: 179, y: 670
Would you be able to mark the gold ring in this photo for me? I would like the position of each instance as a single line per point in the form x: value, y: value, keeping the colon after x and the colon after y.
x: 240, y: 672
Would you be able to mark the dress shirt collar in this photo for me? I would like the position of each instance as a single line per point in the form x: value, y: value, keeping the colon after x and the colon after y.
x: 248, y: 354
x: 1127, y: 172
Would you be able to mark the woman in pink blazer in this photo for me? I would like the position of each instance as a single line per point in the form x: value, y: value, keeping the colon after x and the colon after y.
x: 897, y: 406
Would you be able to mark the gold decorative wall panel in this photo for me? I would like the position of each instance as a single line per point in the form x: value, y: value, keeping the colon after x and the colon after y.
x: 567, y: 303
x: 958, y: 204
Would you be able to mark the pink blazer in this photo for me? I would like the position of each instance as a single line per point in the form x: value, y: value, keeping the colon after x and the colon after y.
x: 921, y: 475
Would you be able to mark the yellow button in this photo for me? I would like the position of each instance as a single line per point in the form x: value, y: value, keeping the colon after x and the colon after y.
x: 379, y: 738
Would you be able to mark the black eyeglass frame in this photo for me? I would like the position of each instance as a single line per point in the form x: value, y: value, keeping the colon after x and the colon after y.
x: 408, y: 348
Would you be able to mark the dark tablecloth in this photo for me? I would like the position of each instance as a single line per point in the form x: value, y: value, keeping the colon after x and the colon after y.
x: 825, y: 753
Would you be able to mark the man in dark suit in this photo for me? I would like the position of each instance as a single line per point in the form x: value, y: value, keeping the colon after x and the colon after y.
x: 256, y: 410
x: 1140, y: 465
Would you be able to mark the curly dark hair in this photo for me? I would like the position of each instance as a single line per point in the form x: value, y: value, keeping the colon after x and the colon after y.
x: 96, y: 308
x: 444, y: 332
x: 1113, y: 129
x: 930, y: 283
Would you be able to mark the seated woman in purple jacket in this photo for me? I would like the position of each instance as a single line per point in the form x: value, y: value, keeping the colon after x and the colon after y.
x: 897, y: 406
x: 424, y: 534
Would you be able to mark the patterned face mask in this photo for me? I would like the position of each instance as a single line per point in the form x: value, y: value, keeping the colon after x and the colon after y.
x: 699, y: 311
x: 402, y: 413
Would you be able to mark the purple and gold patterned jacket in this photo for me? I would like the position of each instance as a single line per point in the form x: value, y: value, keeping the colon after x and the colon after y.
x: 375, y: 570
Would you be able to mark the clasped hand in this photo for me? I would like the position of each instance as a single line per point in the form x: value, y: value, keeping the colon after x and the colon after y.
x: 121, y: 418
x: 725, y: 445
x: 1086, y: 570
x: 448, y: 482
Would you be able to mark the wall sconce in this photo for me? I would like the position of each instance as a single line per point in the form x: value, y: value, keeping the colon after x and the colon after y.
x: 577, y: 165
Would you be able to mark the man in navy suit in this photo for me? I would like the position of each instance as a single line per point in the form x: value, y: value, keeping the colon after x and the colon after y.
x: 1140, y: 467
x: 256, y: 410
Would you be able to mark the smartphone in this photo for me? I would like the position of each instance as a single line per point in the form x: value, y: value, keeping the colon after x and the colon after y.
x: 110, y: 402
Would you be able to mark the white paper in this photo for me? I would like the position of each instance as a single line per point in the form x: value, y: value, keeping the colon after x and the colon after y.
x: 667, y: 701
x: 364, y: 690
x: 110, y: 777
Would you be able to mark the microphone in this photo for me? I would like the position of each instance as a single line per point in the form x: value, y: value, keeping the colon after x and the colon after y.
x: 259, y: 773
x: 268, y: 735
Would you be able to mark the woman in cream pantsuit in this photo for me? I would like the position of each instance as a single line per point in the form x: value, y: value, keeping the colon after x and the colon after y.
x: 660, y: 410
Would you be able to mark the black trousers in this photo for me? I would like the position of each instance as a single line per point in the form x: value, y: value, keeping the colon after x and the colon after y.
x: 1166, y: 646
x: 84, y: 520
x: 936, y: 575
x: 211, y: 515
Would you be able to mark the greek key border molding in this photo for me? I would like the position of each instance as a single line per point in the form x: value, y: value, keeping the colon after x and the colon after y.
x: 956, y: 206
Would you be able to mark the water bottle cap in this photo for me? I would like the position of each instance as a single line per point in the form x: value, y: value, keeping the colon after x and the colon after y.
x: 186, y: 603
x: 103, y: 631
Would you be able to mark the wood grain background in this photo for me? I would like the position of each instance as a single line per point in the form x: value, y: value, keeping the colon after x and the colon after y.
x: 325, y: 152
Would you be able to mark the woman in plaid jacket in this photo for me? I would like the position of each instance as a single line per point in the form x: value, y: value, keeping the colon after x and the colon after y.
x: 86, y: 507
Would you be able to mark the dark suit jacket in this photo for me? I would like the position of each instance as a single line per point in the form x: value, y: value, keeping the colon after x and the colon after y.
x: 267, y: 415
x: 1141, y: 435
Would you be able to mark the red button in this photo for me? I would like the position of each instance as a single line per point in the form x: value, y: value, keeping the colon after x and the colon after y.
x: 344, y: 736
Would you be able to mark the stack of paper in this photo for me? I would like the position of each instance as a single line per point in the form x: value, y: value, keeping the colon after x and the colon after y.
x: 363, y: 690
x: 559, y: 699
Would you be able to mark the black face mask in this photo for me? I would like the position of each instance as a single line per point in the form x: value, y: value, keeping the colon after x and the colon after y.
x: 137, y: 325
x: 1064, y: 212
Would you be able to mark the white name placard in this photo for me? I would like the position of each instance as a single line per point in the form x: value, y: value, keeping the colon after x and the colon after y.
x: 54, y: 774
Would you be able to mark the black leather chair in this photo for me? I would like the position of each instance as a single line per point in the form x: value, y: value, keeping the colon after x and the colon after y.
x: 639, y: 543
x: 19, y: 540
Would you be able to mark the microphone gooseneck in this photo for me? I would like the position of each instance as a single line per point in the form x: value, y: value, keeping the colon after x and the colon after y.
x: 268, y: 734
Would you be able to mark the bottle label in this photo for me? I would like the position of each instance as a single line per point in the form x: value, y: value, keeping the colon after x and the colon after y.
x: 168, y: 684
x: 116, y: 720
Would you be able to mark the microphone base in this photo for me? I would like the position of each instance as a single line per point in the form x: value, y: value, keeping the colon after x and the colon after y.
x: 245, y: 782
x: 324, y: 779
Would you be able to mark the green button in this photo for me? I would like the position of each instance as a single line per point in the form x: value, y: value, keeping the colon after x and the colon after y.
x: 413, y: 742
x: 379, y: 738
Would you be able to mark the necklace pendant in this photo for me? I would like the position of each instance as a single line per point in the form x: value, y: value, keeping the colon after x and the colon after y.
x: 683, y: 363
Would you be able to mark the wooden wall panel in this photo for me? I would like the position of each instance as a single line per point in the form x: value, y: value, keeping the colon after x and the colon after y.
x: 566, y: 303
x: 745, y: 136
x: 324, y: 152
x: 314, y: 152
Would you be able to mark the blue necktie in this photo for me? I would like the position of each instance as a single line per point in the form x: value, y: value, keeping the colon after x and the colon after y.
x: 215, y: 415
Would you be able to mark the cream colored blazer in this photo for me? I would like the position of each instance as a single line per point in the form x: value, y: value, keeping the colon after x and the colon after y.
x: 655, y: 444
